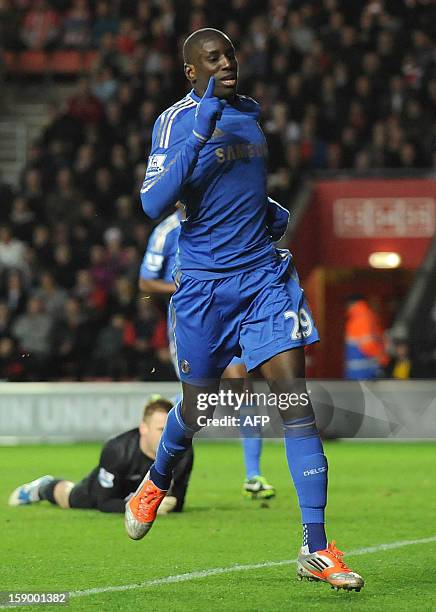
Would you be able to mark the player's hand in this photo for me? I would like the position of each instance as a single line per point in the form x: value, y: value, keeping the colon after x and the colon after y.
x: 277, y: 229
x: 277, y: 219
x: 208, y: 112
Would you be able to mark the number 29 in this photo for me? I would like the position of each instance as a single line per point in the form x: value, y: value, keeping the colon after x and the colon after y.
x: 303, y: 325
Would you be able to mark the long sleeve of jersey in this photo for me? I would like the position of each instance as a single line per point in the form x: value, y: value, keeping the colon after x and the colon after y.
x: 161, y: 250
x: 174, y: 155
x: 108, y: 487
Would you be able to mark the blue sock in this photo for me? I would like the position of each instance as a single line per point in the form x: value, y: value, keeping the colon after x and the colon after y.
x: 314, y: 536
x: 251, y: 443
x: 252, y: 450
x: 176, y: 438
x: 308, y: 466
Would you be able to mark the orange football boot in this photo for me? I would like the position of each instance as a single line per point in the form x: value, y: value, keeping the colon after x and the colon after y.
x: 141, y: 509
x: 327, y: 566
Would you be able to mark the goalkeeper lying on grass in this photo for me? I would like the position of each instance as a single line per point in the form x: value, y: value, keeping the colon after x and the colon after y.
x: 124, y: 461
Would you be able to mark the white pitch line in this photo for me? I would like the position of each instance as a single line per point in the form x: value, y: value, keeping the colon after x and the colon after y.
x: 216, y: 571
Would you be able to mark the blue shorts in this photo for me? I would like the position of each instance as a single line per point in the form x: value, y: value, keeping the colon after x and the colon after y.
x: 172, y: 345
x: 237, y: 361
x: 257, y: 314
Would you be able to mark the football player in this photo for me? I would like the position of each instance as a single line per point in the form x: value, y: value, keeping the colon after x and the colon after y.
x: 124, y: 461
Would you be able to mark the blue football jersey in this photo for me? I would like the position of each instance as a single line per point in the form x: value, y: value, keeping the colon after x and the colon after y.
x: 230, y: 222
x: 159, y: 258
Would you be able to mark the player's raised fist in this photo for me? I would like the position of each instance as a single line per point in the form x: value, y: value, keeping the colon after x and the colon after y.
x: 208, y: 112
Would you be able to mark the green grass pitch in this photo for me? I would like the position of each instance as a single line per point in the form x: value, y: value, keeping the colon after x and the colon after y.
x: 379, y: 493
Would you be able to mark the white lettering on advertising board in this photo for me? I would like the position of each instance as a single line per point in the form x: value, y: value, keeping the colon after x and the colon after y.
x: 384, y: 217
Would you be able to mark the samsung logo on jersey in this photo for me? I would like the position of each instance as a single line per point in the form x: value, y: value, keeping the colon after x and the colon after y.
x: 241, y: 151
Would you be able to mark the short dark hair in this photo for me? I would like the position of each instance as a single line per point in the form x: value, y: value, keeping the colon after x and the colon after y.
x: 159, y: 404
x: 354, y: 297
x: 197, y: 38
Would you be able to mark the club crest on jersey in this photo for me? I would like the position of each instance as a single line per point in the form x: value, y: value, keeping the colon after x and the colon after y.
x: 156, y: 163
x: 185, y: 367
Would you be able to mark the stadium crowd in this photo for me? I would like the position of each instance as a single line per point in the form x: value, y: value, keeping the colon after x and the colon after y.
x: 343, y: 85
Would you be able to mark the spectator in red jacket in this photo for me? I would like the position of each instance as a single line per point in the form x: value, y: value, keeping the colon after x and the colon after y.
x: 41, y: 26
x: 84, y: 106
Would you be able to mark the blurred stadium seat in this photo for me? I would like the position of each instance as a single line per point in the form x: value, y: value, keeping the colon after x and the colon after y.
x: 65, y: 62
x: 32, y: 62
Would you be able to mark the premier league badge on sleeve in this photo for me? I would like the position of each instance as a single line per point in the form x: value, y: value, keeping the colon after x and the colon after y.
x: 106, y: 479
x: 156, y: 163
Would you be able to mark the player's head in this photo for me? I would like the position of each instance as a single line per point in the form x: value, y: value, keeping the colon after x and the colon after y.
x: 153, y: 421
x: 353, y: 298
x: 207, y: 53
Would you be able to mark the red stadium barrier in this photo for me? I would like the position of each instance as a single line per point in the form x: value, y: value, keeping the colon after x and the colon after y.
x: 344, y: 222
x: 32, y: 62
x: 55, y: 63
x: 88, y: 60
x: 347, y: 220
x: 9, y: 59
x: 66, y: 62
